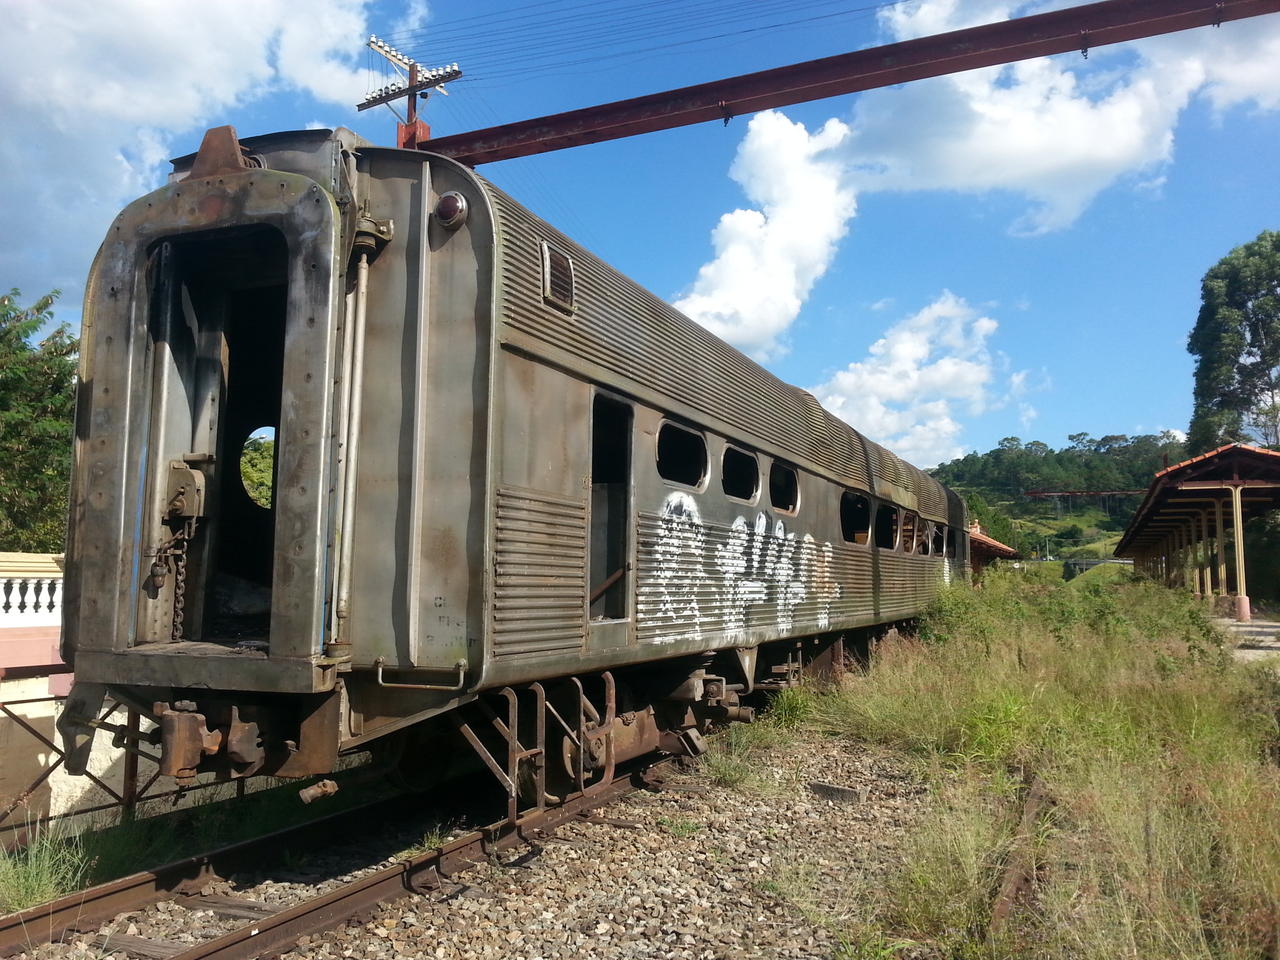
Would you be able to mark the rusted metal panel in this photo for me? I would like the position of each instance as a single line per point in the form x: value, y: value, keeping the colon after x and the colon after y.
x: 540, y: 573
x: 1059, y: 31
x: 906, y: 584
x: 421, y: 489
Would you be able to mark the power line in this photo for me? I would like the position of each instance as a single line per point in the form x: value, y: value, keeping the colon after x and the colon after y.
x: 641, y: 20
x: 536, y: 62
x: 492, y: 52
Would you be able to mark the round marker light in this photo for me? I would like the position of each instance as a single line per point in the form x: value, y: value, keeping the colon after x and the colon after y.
x: 451, y: 210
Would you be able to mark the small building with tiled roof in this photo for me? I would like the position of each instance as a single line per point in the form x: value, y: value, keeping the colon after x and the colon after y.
x: 1192, y: 516
x: 984, y: 549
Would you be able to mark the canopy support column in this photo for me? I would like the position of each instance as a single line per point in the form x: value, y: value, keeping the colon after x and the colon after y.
x: 1221, y: 541
x: 1203, y: 560
x: 1243, y: 613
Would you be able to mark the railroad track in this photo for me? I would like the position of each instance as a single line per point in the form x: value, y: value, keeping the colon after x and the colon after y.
x: 268, y: 928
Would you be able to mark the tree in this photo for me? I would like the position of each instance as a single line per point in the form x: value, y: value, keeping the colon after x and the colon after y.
x: 1236, y: 343
x: 37, y: 406
x: 994, y: 522
x: 257, y: 466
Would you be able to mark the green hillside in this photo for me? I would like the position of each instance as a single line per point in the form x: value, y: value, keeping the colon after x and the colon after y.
x: 996, y: 483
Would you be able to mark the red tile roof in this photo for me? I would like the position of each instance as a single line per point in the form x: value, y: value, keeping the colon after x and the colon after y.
x: 1213, y: 453
x: 981, y: 542
x: 1164, y: 488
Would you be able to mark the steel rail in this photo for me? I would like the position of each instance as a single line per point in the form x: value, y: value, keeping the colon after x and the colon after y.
x: 1079, y: 28
x: 426, y: 872
x: 48, y: 922
x: 85, y: 909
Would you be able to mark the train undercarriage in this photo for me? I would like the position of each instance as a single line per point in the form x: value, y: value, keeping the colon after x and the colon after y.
x: 540, y: 743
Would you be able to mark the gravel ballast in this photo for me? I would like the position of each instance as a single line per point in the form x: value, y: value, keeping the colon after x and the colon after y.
x: 768, y: 869
x: 701, y: 875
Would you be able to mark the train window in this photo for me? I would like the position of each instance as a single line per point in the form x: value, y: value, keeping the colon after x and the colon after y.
x: 557, y: 277
x: 939, y: 539
x: 953, y: 538
x: 886, y: 526
x: 682, y: 455
x: 910, y: 528
x: 739, y: 474
x: 926, y: 537
x: 855, y: 517
x: 784, y: 487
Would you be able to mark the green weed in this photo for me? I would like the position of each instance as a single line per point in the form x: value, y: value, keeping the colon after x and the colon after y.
x: 678, y: 827
x: 734, y: 756
x: 437, y: 835
x: 50, y: 864
x: 790, y: 708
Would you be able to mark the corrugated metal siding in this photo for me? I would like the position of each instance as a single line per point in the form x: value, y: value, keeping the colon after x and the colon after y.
x: 622, y: 327
x: 540, y: 573
x: 721, y: 584
x: 907, y: 584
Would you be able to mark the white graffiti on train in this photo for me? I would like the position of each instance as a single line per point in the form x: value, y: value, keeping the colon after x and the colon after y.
x: 737, y: 561
x: 816, y: 570
x: 679, y: 576
x: 753, y: 565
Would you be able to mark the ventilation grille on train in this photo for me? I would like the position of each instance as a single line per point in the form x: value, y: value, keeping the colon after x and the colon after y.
x: 557, y: 277
x: 540, y: 574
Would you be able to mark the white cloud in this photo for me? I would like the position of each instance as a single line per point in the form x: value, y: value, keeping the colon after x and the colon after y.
x: 93, y: 94
x: 1057, y: 131
x: 415, y: 16
x: 915, y: 380
x: 768, y: 259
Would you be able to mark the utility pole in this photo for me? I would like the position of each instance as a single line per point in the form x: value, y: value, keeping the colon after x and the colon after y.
x: 410, y: 132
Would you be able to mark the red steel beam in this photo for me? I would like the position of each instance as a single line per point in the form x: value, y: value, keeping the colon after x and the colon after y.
x: 1062, y: 31
x: 1083, y: 493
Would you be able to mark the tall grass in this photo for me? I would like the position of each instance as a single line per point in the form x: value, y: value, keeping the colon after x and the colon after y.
x: 1157, y: 748
x: 56, y: 861
x: 48, y: 865
x: 734, y: 757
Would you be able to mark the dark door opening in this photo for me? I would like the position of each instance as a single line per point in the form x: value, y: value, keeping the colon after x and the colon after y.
x: 610, y: 508
x: 220, y: 332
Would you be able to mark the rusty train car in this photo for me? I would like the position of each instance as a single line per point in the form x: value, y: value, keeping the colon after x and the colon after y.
x: 504, y: 475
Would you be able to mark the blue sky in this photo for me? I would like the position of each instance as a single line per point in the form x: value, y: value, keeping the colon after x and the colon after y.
x: 1014, y: 251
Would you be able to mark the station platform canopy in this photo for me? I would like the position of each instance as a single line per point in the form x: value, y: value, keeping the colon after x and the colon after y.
x: 1185, y: 530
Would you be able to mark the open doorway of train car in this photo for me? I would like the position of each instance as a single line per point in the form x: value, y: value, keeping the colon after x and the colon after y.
x: 218, y: 326
x: 608, y: 580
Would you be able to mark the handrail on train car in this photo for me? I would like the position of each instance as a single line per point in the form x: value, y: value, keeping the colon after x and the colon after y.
x: 460, y: 667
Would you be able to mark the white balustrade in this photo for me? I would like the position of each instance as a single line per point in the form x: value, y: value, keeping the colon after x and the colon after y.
x: 30, y: 590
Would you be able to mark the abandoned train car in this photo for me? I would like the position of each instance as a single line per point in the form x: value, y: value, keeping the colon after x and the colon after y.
x: 497, y: 462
